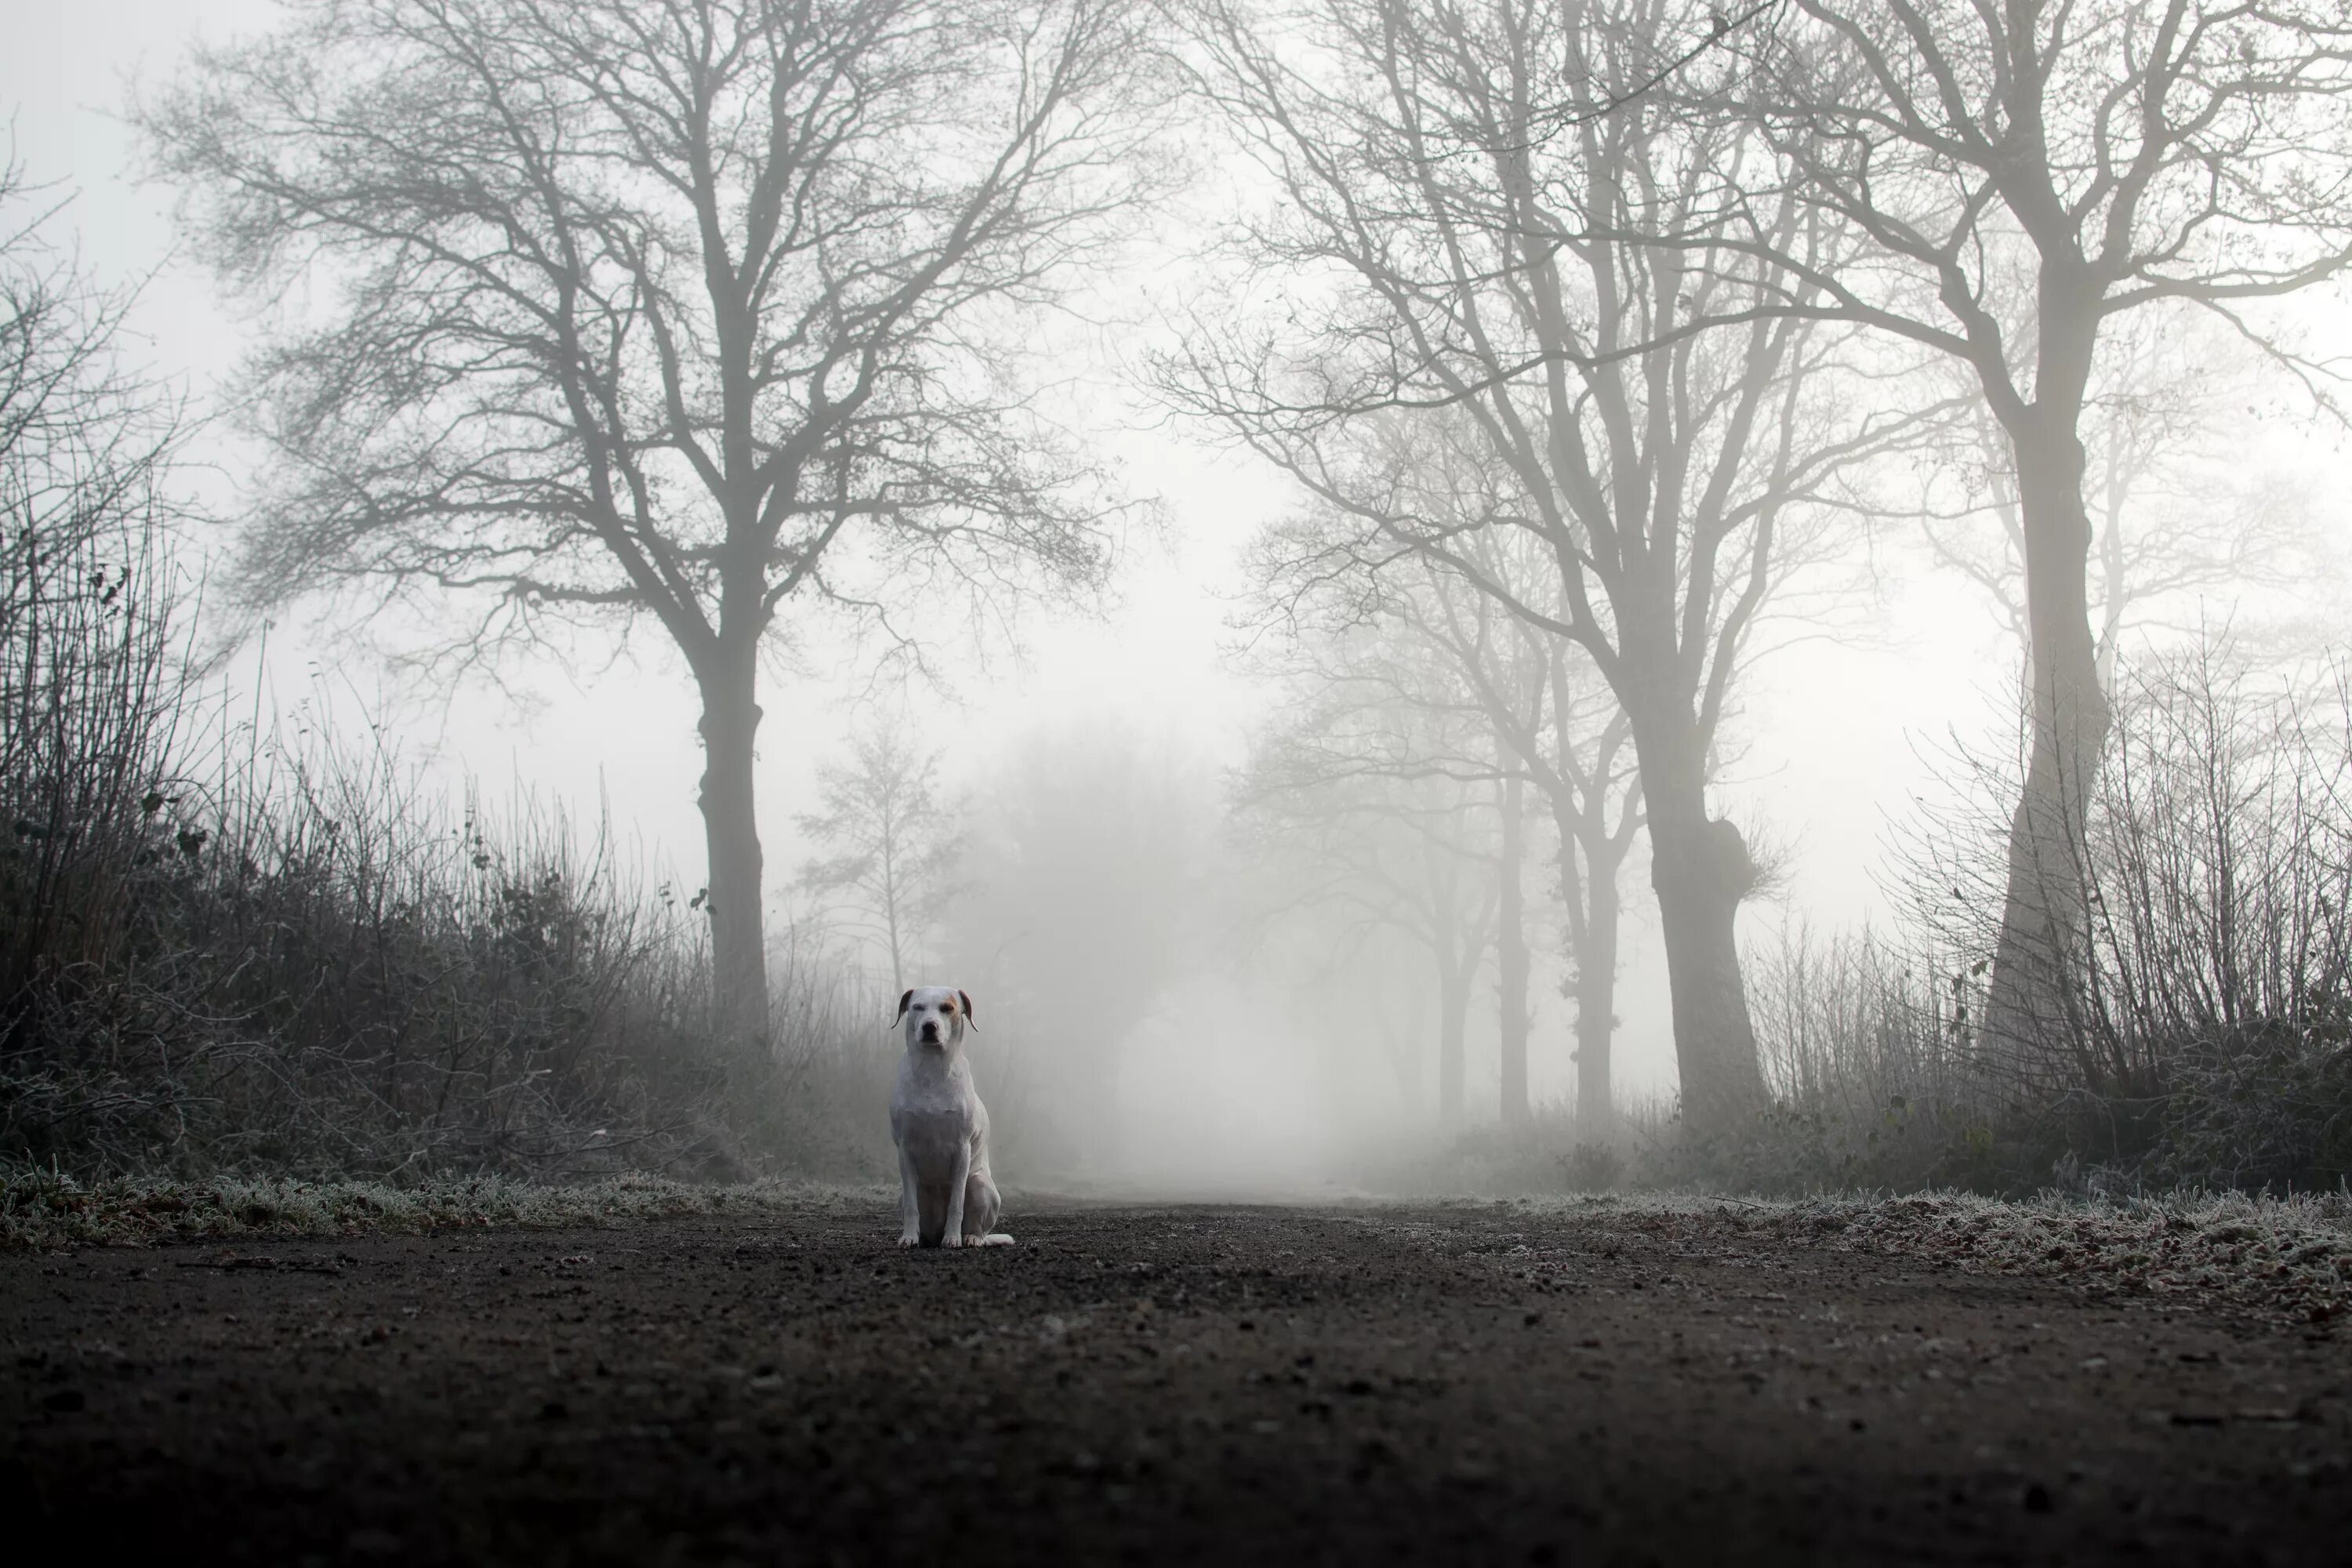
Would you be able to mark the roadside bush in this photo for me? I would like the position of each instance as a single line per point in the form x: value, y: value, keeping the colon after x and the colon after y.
x: 2206, y: 1034
x: 1593, y: 1166
x: 312, y: 971
x: 221, y: 955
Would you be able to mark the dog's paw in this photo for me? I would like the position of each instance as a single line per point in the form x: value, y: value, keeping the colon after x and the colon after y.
x: 952, y: 1240
x: 910, y: 1239
x: 994, y: 1239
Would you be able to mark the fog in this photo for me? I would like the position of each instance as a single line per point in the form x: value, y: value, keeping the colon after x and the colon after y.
x: 1191, y: 972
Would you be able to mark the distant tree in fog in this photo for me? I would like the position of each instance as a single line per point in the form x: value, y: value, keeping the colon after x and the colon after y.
x: 1489, y: 210
x: 2025, y: 175
x: 895, y: 842
x: 690, y: 311
x: 1379, y: 790
x: 1559, y: 727
x: 1548, y: 719
x: 1082, y: 899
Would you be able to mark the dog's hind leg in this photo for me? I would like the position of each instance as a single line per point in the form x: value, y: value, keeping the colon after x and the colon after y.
x: 981, y: 1209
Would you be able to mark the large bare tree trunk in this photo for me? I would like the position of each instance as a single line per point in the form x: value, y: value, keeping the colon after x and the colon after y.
x: 1511, y: 955
x: 2068, y: 715
x: 1701, y: 871
x: 731, y: 725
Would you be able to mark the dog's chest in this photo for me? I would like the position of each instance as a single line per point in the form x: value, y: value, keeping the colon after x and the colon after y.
x: 932, y: 1115
x: 934, y: 1137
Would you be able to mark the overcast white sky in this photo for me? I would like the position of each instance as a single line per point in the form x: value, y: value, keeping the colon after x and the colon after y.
x: 1836, y: 734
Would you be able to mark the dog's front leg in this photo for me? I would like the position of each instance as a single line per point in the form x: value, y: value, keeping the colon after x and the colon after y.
x: 910, y: 1228
x: 953, y: 1235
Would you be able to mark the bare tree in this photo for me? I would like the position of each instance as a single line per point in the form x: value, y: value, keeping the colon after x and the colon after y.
x: 1561, y: 728
x: 1485, y: 209
x: 896, y: 842
x: 1514, y: 1010
x: 1529, y: 695
x: 2177, y: 513
x: 2024, y: 174
x: 666, y: 309
x: 1556, y: 724
x: 1375, y: 790
x: 1083, y: 897
x: 1595, y: 791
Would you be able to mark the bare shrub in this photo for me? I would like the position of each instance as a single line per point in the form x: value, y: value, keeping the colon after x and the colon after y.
x: 316, y: 969
x: 2203, y: 1034
x: 1593, y: 1166
x: 2220, y: 983
x: 1859, y: 1052
x: 815, y: 1102
x: 88, y: 680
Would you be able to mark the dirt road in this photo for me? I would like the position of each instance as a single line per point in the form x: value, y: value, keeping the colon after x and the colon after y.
x: 1216, y: 1384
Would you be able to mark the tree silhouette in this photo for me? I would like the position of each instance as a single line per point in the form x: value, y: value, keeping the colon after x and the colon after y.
x: 678, y: 311
x: 2022, y: 175
x: 895, y: 843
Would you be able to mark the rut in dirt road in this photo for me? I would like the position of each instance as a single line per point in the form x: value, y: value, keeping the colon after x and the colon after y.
x: 1475, y: 1384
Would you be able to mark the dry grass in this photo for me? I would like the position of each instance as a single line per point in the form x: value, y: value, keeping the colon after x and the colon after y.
x: 43, y: 1211
x: 2292, y: 1256
x: 2282, y: 1258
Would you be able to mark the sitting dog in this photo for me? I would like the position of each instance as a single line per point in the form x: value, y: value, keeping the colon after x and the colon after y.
x: 946, y: 1196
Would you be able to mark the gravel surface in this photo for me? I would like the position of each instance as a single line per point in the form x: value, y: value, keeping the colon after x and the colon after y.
x: 1472, y: 1384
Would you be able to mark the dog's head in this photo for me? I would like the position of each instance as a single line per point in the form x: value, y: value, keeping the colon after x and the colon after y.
x: 935, y: 1018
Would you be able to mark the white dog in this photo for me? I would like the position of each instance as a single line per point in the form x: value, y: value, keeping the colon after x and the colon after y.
x: 946, y: 1196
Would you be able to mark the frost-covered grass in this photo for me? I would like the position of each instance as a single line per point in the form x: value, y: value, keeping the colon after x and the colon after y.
x: 41, y: 1210
x: 2290, y: 1256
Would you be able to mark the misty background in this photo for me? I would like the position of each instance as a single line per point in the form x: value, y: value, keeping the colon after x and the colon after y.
x: 1202, y: 834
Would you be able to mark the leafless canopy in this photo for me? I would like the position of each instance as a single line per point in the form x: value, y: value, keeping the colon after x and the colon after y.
x: 1488, y: 209
x: 2139, y: 150
x: 649, y: 306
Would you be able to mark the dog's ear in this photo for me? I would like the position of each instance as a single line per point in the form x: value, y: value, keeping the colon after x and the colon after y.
x: 904, y: 998
x: 965, y: 997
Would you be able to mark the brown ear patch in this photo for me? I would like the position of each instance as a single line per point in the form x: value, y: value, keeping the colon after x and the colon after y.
x: 965, y: 997
x: 904, y: 998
